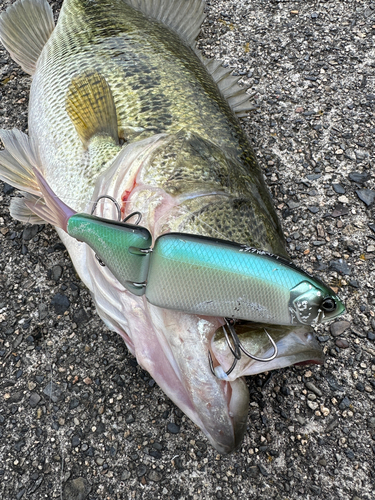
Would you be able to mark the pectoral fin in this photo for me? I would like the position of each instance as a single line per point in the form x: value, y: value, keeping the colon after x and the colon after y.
x: 90, y: 106
x: 24, y: 30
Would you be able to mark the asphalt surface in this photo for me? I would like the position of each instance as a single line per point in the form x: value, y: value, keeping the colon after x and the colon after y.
x: 79, y: 419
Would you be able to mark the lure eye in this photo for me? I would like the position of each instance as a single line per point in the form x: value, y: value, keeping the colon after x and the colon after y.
x: 329, y: 304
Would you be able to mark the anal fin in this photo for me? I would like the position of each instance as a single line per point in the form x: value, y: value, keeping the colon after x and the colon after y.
x: 20, y: 209
x: 17, y: 161
x: 24, y: 30
x: 90, y: 106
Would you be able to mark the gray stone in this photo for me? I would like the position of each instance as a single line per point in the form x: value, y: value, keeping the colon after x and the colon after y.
x: 29, y: 232
x: 154, y: 476
x: 339, y: 327
x: 338, y: 188
x: 313, y: 388
x: 359, y: 177
x: 340, y: 266
x: 56, y: 273
x: 173, y: 428
x: 43, y: 310
x: 54, y: 391
x: 77, y: 489
x: 60, y: 303
x: 34, y: 400
x: 366, y: 195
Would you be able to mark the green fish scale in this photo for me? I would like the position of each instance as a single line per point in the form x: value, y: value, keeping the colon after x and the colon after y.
x: 214, y: 280
x: 234, y: 219
x: 158, y: 84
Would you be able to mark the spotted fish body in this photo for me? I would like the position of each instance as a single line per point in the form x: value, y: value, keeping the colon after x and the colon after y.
x: 122, y: 104
x: 159, y: 86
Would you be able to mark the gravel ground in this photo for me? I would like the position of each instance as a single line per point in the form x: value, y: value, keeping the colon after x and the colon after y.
x: 79, y: 419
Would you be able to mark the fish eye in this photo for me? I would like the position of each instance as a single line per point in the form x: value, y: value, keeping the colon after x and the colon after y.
x: 329, y: 304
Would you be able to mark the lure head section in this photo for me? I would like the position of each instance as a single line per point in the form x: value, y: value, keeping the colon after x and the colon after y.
x: 312, y: 302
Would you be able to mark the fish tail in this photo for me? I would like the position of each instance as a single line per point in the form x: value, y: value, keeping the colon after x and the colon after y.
x: 24, y: 30
x: 19, y: 168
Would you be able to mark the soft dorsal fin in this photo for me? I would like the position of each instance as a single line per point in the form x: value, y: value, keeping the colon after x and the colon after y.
x: 236, y: 96
x: 182, y: 16
x: 90, y: 106
x: 24, y: 30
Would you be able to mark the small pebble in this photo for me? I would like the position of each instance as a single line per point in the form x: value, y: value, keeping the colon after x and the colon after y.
x: 154, y: 476
x: 56, y: 273
x: 60, y: 303
x: 342, y: 343
x: 313, y: 388
x: 340, y: 266
x: 338, y: 188
x: 359, y: 177
x: 339, y: 327
x: 366, y: 195
x: 313, y: 405
x: 29, y: 232
x: 34, y: 400
x: 78, y: 489
x: 173, y: 428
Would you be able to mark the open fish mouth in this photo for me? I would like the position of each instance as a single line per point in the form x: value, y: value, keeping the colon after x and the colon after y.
x: 292, y: 345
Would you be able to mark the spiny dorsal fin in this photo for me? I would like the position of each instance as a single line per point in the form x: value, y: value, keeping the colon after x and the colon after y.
x: 236, y: 96
x: 182, y: 16
x: 185, y: 18
x: 90, y: 106
x: 24, y: 30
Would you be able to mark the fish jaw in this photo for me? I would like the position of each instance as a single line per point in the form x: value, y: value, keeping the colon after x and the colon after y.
x: 295, y: 345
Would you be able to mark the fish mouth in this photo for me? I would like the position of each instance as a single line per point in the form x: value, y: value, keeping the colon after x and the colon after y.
x: 296, y: 345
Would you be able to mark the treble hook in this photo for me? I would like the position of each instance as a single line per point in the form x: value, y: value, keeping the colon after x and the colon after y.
x: 104, y: 196
x: 109, y: 198
x: 232, y: 338
x: 132, y: 215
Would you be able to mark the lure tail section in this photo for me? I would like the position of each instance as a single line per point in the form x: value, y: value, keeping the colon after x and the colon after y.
x: 50, y: 208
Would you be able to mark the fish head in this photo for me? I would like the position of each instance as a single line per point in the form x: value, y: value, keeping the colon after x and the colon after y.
x: 171, y: 345
x: 312, y: 302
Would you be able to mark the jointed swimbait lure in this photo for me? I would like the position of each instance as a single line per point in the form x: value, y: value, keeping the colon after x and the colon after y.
x: 197, y: 274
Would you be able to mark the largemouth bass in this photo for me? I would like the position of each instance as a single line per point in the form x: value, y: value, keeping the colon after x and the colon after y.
x: 123, y: 105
